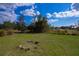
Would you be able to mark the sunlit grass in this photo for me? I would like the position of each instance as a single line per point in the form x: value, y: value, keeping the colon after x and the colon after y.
x: 50, y: 44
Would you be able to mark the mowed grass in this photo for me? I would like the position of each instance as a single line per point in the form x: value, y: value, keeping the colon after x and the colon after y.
x: 50, y: 45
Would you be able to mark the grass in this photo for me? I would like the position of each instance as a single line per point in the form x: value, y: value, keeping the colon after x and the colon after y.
x: 50, y: 45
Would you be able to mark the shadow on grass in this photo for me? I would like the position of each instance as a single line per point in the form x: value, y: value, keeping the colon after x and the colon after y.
x: 28, y: 32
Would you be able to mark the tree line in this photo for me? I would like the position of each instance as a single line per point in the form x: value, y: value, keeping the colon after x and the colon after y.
x: 37, y: 26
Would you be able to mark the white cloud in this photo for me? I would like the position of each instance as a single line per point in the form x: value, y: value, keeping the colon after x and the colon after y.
x: 28, y: 12
x: 5, y: 16
x: 71, y: 13
x: 49, y: 15
x: 74, y: 12
x: 50, y: 21
x: 9, y: 13
x: 75, y: 6
x: 31, y: 11
x: 38, y: 13
x: 24, y: 4
x: 8, y: 7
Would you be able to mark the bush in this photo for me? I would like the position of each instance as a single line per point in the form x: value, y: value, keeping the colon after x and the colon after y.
x: 2, y: 33
x: 73, y: 32
x: 61, y: 32
x: 9, y: 32
x: 53, y: 31
x: 65, y: 32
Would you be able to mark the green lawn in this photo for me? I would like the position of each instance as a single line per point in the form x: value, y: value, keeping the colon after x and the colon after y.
x: 50, y: 45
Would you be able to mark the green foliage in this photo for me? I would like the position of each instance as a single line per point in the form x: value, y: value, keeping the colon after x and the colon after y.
x: 6, y: 32
x: 2, y: 33
x: 40, y: 25
x: 9, y: 32
x: 1, y: 26
x: 77, y: 28
x: 20, y: 25
x: 8, y: 25
x: 63, y: 32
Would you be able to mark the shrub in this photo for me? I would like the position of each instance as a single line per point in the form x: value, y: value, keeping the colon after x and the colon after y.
x: 9, y: 32
x: 61, y: 32
x: 65, y: 32
x: 54, y: 31
x: 72, y: 32
x: 2, y: 33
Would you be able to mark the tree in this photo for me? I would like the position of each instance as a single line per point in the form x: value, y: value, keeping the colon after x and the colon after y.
x: 20, y: 25
x: 40, y: 25
x: 1, y: 26
x: 78, y: 25
x: 8, y: 25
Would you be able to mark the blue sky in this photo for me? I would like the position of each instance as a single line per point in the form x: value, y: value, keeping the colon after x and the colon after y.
x: 58, y: 14
x: 52, y: 7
